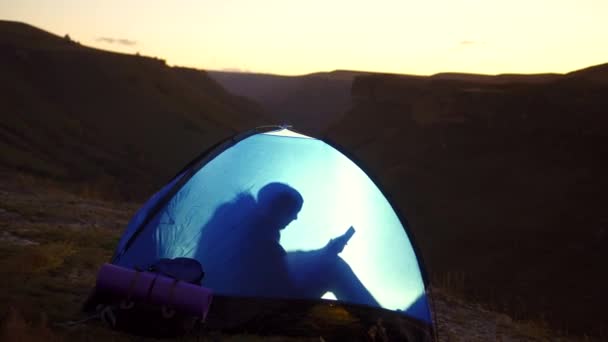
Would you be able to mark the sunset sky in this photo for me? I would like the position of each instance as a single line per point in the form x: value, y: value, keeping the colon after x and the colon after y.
x: 298, y: 37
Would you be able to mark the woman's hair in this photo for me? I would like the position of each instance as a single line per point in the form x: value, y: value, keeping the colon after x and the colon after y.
x: 279, y: 197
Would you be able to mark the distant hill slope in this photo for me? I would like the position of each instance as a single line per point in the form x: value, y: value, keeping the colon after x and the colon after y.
x: 82, y: 114
x: 314, y: 102
x: 503, y: 180
x: 310, y: 102
x: 595, y: 74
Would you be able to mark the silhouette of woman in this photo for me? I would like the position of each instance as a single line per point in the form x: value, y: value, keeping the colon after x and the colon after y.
x: 242, y: 254
x: 239, y: 246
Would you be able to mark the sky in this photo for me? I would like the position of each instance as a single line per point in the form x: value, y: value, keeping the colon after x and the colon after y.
x: 298, y: 37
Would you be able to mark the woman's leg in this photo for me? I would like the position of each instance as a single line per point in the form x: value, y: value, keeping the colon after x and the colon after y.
x: 345, y: 284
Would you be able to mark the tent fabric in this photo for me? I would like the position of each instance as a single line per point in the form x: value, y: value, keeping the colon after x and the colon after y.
x: 266, y: 215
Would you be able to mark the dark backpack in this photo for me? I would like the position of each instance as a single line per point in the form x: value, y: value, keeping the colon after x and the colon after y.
x: 185, y: 269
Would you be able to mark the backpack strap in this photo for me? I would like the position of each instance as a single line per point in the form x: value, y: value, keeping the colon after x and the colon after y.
x: 168, y: 311
x: 151, y: 287
x: 172, y: 290
x: 128, y: 302
x: 132, y: 284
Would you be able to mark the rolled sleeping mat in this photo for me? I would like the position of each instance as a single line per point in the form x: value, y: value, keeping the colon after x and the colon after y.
x: 154, y: 288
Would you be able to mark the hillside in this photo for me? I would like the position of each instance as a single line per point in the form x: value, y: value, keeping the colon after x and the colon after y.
x: 67, y: 237
x: 126, y: 122
x: 502, y: 180
x: 596, y: 74
x: 310, y: 102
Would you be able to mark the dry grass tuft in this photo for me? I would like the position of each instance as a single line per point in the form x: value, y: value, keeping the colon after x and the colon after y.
x: 38, y: 259
x: 16, y: 328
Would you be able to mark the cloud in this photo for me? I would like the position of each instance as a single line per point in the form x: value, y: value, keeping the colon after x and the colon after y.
x: 468, y: 43
x: 236, y: 70
x: 120, y: 41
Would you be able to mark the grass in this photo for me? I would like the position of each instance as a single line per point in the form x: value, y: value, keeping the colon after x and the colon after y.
x: 46, y: 282
x: 451, y: 287
x: 51, y: 278
x: 102, y: 187
x: 16, y: 328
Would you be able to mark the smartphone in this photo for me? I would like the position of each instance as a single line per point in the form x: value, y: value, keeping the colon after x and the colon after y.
x: 349, y: 233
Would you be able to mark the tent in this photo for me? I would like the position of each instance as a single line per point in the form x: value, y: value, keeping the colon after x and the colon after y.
x: 272, y: 213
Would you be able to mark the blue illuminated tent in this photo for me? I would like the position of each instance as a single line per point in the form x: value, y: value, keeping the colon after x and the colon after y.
x: 268, y: 214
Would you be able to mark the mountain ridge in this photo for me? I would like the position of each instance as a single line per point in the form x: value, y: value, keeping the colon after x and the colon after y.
x: 313, y: 102
x: 82, y: 114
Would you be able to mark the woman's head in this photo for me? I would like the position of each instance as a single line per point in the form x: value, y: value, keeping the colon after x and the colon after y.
x: 280, y: 203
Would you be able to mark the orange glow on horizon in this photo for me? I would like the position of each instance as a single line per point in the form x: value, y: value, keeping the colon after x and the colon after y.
x: 294, y: 38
